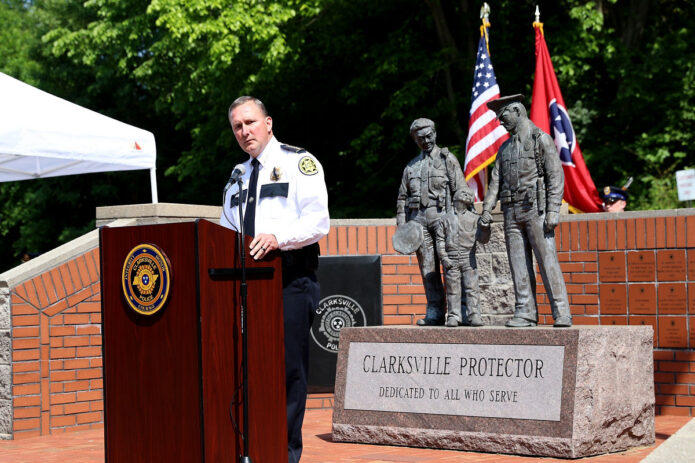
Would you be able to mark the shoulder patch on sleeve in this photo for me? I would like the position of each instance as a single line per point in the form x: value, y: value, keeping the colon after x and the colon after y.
x: 294, y: 149
x: 308, y: 166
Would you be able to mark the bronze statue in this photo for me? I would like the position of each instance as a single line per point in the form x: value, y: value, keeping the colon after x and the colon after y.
x: 529, y: 182
x: 430, y: 181
x: 456, y: 238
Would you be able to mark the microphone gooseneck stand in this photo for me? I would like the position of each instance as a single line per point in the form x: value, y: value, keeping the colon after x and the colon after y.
x: 244, y: 457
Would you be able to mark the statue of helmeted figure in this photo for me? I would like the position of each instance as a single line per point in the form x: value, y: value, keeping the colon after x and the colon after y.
x: 529, y: 182
x: 429, y: 183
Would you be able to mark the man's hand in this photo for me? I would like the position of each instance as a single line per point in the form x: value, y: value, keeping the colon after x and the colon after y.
x: 262, y: 244
x: 447, y: 263
x: 485, y: 218
x: 551, y: 221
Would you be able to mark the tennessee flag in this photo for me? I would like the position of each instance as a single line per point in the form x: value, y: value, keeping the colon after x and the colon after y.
x: 549, y: 113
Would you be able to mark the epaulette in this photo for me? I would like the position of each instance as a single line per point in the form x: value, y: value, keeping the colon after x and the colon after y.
x: 294, y: 149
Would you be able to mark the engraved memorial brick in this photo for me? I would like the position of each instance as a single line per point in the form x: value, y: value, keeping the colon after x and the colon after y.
x: 642, y: 299
x: 671, y: 298
x: 644, y: 320
x: 641, y: 266
x: 670, y: 265
x: 673, y: 332
x: 613, y: 299
x: 611, y: 267
x: 614, y: 320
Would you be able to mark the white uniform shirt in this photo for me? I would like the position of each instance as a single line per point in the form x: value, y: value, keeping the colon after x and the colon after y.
x: 292, y: 198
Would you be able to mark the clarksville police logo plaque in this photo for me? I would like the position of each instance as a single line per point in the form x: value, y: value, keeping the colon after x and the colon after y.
x: 146, y: 279
x: 332, y: 315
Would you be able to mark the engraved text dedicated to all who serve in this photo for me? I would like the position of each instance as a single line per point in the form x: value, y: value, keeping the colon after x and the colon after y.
x: 496, y: 381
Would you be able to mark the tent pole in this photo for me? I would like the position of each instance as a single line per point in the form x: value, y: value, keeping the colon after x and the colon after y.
x: 153, y: 184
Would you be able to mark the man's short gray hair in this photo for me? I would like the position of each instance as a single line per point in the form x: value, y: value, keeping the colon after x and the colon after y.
x: 520, y: 107
x: 245, y: 99
x: 421, y: 123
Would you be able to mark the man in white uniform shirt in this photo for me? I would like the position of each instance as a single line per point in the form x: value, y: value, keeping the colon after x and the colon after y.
x: 286, y: 209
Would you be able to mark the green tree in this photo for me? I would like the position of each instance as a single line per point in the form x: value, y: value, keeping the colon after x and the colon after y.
x: 18, y: 39
x: 633, y: 67
x: 344, y: 79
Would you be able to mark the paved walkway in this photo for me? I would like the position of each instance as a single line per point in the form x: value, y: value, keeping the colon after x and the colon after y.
x: 88, y: 447
x: 678, y: 447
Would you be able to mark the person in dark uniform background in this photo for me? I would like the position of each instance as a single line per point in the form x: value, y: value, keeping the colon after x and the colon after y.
x: 529, y: 182
x: 286, y: 208
x: 615, y: 198
x: 429, y: 183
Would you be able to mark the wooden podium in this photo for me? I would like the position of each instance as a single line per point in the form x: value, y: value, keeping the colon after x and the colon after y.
x: 172, y: 380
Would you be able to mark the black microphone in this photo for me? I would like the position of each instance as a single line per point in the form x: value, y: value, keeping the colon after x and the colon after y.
x: 237, y: 173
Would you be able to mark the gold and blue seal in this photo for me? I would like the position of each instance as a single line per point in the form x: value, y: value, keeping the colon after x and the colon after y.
x: 146, y: 279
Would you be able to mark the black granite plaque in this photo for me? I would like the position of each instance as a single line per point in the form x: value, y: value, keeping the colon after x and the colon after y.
x: 350, y: 297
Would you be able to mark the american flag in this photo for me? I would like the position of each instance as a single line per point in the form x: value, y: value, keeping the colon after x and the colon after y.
x: 485, y: 134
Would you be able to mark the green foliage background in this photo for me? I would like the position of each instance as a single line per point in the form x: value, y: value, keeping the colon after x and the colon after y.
x: 343, y: 78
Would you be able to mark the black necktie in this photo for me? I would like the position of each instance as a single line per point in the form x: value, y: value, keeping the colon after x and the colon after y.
x: 250, y: 217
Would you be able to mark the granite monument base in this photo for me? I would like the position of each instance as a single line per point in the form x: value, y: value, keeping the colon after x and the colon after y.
x: 543, y: 391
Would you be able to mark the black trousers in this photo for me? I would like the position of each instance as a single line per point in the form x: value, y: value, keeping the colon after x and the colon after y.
x: 300, y: 298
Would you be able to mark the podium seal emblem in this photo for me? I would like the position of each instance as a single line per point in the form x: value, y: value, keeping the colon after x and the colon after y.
x: 332, y: 315
x: 146, y: 279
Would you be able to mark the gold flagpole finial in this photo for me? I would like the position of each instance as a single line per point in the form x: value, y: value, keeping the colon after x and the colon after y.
x: 537, y: 23
x: 485, y: 12
x: 485, y: 16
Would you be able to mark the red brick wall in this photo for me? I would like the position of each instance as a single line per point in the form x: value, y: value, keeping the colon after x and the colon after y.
x: 596, y: 297
x: 56, y: 349
x: 648, y: 291
x: 403, y: 293
x: 56, y: 333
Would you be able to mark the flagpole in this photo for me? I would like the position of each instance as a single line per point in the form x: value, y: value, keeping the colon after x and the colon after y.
x: 485, y: 16
x: 537, y: 23
x: 485, y: 134
x: 549, y: 113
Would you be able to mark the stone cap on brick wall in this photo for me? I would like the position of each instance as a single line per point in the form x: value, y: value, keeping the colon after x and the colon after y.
x: 54, y: 257
x: 146, y: 214
x: 628, y: 215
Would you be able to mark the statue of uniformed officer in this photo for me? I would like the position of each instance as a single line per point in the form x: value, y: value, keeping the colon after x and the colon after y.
x: 430, y: 181
x: 529, y: 182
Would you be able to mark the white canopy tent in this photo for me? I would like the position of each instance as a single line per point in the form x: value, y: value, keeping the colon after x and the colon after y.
x: 42, y: 135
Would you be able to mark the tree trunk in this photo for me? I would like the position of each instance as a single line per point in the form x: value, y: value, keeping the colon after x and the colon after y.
x: 446, y: 39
